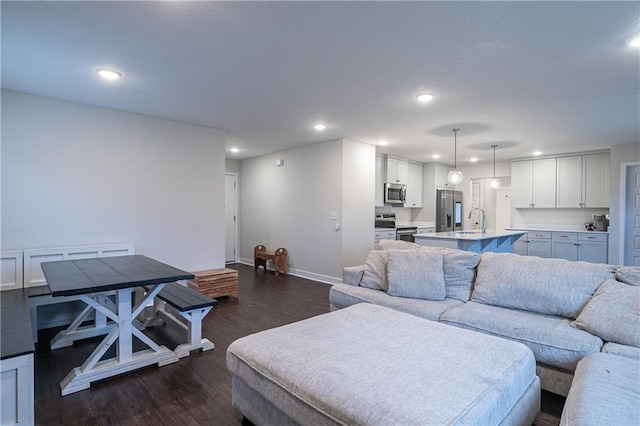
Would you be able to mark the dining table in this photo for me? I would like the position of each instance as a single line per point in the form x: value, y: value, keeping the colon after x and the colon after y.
x: 106, y: 285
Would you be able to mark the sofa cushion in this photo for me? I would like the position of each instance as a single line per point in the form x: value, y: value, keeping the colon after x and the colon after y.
x: 604, y: 391
x: 551, y: 339
x: 460, y: 273
x: 375, y: 271
x: 343, y: 295
x: 547, y: 286
x: 416, y: 274
x: 628, y: 275
x: 613, y: 313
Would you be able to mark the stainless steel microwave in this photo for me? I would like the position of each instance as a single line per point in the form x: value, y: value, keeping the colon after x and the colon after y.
x: 395, y: 193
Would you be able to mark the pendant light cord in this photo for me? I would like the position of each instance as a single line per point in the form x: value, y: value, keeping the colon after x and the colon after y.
x: 455, y: 149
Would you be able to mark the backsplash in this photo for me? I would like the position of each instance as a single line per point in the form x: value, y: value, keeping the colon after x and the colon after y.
x: 403, y: 215
x: 563, y: 219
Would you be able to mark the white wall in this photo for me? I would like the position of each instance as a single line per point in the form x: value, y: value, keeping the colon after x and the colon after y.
x: 74, y: 174
x: 231, y: 165
x: 289, y: 206
x: 619, y: 154
x: 358, y: 201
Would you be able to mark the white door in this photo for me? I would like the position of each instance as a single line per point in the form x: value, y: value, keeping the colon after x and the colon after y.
x: 230, y: 217
x: 631, y: 230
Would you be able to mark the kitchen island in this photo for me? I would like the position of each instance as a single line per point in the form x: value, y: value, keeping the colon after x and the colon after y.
x: 475, y: 240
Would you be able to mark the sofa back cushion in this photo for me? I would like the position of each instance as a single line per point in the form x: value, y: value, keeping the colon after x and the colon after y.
x: 417, y: 274
x: 613, y: 313
x: 459, y: 271
x: 547, y: 286
x: 628, y: 275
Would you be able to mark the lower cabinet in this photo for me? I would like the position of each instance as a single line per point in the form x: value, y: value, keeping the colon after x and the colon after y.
x: 385, y: 234
x: 582, y: 246
x: 534, y: 243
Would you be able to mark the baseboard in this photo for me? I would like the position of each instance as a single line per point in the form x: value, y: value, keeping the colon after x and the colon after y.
x: 325, y: 279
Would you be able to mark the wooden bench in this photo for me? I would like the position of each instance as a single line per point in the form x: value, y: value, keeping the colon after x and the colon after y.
x: 16, y: 353
x: 278, y: 257
x: 193, y: 306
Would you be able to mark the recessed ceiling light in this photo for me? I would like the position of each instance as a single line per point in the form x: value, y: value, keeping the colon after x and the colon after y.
x: 319, y: 126
x: 473, y: 159
x: 234, y: 150
x: 634, y: 41
x: 109, y: 73
x: 435, y: 156
x: 383, y: 142
x: 536, y: 153
x: 424, y: 97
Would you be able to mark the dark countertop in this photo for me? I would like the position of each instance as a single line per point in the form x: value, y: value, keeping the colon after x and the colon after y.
x: 15, y: 324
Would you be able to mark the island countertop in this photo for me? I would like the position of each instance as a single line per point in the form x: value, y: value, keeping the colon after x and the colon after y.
x: 470, y: 235
x: 491, y: 240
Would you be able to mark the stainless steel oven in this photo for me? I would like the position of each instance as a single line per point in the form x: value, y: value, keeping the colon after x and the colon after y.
x: 405, y: 233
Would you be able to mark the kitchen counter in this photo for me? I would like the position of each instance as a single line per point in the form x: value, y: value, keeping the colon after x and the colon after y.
x: 476, y: 241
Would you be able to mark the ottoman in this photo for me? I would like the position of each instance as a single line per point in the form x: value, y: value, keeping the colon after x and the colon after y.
x: 370, y: 365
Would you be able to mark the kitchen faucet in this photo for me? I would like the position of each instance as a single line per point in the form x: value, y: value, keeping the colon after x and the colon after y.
x: 483, y: 226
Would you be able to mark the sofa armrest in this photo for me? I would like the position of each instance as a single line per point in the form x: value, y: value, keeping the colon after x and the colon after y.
x: 352, y: 275
x: 622, y: 350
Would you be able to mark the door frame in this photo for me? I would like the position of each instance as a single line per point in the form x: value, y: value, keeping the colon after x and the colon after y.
x: 235, y: 208
x: 623, y: 205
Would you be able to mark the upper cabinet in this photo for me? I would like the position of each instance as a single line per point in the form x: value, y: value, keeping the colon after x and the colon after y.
x: 583, y: 181
x: 397, y: 171
x: 441, y: 173
x: 414, y: 186
x: 534, y: 183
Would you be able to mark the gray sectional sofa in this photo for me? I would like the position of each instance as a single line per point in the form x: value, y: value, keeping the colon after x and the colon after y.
x: 563, y: 311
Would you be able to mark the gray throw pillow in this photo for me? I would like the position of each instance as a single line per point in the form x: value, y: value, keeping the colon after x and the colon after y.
x: 375, y: 271
x: 417, y: 274
x: 613, y: 313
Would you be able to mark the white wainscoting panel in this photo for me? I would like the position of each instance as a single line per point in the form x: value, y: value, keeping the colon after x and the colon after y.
x: 10, y: 270
x: 33, y: 275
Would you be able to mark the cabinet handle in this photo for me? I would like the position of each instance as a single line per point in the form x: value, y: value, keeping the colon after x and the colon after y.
x: 564, y: 236
x: 591, y: 238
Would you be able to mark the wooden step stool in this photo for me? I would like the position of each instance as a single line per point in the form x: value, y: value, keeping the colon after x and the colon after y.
x: 279, y: 258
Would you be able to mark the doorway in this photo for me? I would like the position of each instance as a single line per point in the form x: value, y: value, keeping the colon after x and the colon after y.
x: 230, y: 215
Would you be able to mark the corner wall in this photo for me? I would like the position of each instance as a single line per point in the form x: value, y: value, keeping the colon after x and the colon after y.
x: 75, y: 175
x: 289, y: 206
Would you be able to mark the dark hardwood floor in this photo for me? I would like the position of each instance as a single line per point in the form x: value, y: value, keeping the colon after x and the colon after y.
x: 197, y: 389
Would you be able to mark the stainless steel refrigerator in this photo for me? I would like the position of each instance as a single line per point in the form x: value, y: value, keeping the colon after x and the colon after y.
x: 448, y: 210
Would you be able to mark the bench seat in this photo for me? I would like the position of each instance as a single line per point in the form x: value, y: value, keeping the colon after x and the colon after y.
x: 193, y: 306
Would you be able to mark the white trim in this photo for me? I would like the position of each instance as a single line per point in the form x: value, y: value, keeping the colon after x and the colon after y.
x: 623, y: 199
x: 325, y: 279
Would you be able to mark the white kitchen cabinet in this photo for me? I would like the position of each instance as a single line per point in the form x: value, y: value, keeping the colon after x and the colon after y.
x: 441, y: 173
x: 397, y: 170
x: 583, y: 181
x: 534, y: 183
x: 414, y: 186
x: 593, y: 247
x: 425, y: 229
x: 379, y: 182
x: 534, y: 243
x: 384, y: 234
x: 595, y: 189
x: 583, y: 246
x: 564, y: 245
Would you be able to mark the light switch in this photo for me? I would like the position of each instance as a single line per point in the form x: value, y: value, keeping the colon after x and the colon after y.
x: 333, y: 215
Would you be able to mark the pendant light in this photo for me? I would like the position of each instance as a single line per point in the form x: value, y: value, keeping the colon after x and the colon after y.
x: 494, y: 182
x: 455, y: 176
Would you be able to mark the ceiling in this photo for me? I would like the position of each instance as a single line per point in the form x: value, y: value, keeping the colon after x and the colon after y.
x: 551, y: 76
